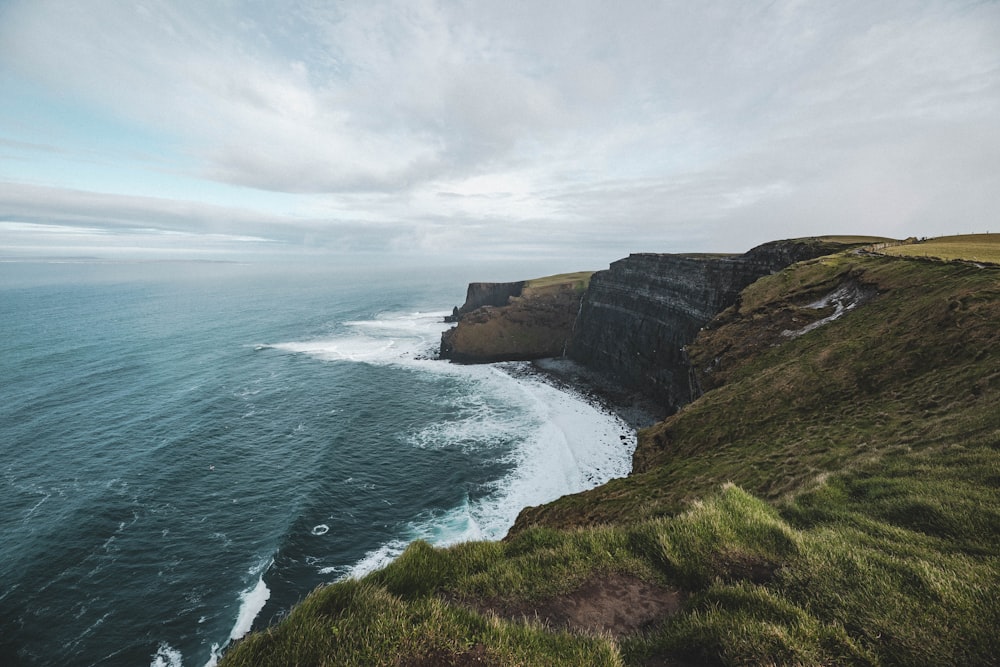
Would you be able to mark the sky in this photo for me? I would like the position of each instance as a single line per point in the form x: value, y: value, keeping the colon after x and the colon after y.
x: 433, y: 129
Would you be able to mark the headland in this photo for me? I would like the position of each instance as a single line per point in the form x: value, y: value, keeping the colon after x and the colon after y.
x: 823, y: 490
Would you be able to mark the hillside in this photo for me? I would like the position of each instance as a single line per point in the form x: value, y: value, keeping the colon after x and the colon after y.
x: 980, y: 248
x: 830, y: 497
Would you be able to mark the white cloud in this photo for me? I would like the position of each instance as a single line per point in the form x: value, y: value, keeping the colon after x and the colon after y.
x: 442, y: 123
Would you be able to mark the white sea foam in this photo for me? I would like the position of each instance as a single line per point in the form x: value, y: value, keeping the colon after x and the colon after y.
x: 574, y: 446
x: 565, y: 444
x: 489, y: 413
x: 252, y: 600
x: 373, y: 560
x: 392, y: 338
x: 166, y: 656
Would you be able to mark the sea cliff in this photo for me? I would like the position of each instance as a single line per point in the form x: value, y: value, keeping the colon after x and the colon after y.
x: 630, y: 323
x: 638, y: 315
x: 830, y: 496
x: 478, y: 295
x: 515, y: 321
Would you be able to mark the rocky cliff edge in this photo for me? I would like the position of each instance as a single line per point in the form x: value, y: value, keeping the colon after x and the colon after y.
x: 515, y: 321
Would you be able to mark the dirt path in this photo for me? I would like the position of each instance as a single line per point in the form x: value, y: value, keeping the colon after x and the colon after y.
x: 611, y: 603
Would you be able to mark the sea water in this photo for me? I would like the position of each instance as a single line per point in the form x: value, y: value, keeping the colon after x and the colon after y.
x: 188, y: 450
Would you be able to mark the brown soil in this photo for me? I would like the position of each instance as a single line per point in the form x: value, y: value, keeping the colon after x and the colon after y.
x: 611, y: 603
x: 444, y: 658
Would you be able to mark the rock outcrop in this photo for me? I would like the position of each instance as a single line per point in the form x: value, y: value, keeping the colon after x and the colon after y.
x: 535, y: 323
x: 486, y: 294
x: 638, y: 315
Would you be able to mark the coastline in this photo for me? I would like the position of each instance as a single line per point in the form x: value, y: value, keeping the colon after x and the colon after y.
x: 752, y: 521
x: 584, y: 434
x: 635, y: 409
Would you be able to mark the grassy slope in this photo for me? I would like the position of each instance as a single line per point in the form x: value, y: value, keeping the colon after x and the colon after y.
x: 830, y: 499
x: 970, y: 247
x: 578, y: 281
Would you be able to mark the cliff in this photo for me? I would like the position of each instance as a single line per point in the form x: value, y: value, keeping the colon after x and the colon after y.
x: 485, y: 294
x: 638, y: 315
x: 842, y: 361
x: 535, y: 322
x: 830, y: 499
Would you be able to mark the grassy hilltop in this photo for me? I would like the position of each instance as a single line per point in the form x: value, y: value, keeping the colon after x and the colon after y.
x: 830, y: 498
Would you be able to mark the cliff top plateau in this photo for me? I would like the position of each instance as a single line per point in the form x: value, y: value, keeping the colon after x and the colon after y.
x: 830, y: 495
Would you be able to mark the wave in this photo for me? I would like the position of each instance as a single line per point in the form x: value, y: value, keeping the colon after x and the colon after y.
x: 575, y: 446
x: 551, y: 441
x: 166, y: 656
x: 390, y: 338
x: 252, y: 601
x: 568, y: 445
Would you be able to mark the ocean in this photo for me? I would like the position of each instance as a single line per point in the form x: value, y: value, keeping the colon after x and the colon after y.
x: 188, y: 449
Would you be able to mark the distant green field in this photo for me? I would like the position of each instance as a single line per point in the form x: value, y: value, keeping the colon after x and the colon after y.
x: 969, y: 247
x: 848, y: 240
x: 581, y: 279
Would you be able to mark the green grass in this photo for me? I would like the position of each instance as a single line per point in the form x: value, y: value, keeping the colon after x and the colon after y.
x: 967, y: 247
x: 831, y: 499
x: 359, y: 623
x: 855, y: 240
x: 579, y: 280
x: 851, y: 573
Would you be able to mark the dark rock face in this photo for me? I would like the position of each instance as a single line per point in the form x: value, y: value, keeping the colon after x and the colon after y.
x: 486, y: 294
x: 638, y: 315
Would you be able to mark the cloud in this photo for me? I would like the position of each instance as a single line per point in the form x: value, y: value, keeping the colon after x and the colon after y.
x: 422, y: 123
x: 409, y: 104
x: 29, y: 214
x: 33, y: 203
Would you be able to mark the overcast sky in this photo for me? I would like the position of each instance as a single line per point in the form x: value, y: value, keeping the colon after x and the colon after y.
x: 512, y: 128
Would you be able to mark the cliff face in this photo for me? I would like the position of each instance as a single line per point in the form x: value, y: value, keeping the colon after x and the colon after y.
x: 535, y: 323
x: 632, y: 323
x: 486, y: 294
x: 639, y: 314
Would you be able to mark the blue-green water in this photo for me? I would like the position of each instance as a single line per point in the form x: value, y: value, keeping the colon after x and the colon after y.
x: 187, y: 454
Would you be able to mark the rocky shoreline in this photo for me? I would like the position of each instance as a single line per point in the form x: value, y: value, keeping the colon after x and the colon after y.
x: 632, y: 407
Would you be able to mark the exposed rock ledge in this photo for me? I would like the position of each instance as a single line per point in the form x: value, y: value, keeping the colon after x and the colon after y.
x: 486, y: 294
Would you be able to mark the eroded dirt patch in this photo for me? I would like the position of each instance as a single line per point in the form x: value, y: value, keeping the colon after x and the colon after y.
x: 613, y: 603
x: 444, y: 658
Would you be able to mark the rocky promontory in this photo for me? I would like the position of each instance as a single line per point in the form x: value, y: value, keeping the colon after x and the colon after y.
x: 485, y: 294
x: 515, y: 321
